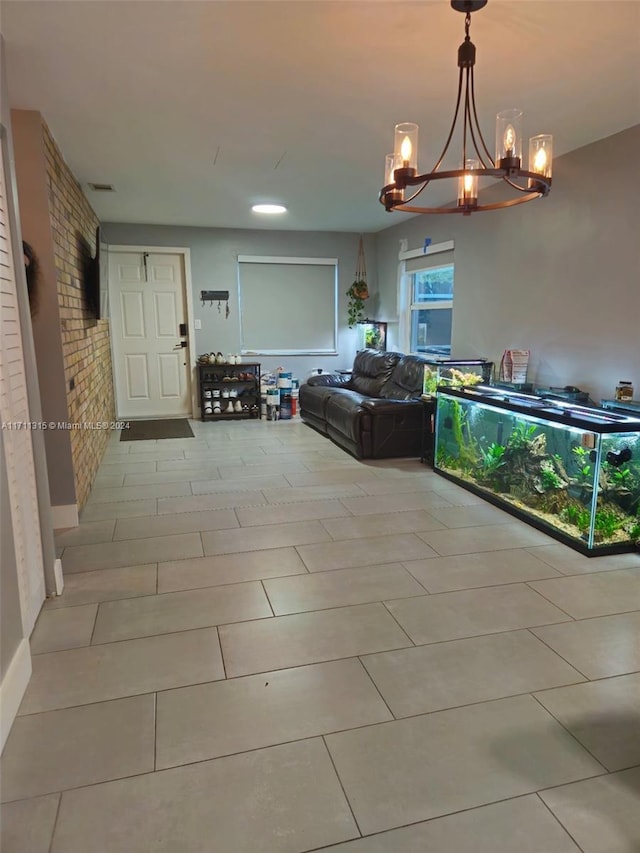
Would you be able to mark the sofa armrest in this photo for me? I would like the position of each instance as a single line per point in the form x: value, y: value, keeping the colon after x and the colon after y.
x: 329, y: 380
x: 381, y: 406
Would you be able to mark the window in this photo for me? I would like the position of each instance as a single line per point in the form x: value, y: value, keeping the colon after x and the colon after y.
x: 431, y: 311
x: 288, y: 306
x: 426, y: 300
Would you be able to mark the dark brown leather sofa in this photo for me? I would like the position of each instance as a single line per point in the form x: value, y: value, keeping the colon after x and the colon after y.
x: 375, y: 413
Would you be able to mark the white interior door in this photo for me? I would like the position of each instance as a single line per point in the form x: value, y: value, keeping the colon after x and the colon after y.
x: 151, y: 362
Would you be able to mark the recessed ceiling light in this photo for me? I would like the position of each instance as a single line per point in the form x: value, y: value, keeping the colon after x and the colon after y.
x: 268, y: 208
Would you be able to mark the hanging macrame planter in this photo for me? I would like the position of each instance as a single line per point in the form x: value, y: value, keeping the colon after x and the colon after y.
x: 358, y: 291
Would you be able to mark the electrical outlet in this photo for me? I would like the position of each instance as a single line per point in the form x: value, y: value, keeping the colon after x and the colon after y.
x: 197, y: 324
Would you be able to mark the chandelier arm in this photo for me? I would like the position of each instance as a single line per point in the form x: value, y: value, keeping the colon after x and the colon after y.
x: 453, y: 124
x: 417, y: 192
x: 472, y: 133
x: 475, y: 115
x: 477, y: 148
x: 516, y: 186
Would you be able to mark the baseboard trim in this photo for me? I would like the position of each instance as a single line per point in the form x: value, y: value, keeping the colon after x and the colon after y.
x: 13, y: 687
x: 64, y: 516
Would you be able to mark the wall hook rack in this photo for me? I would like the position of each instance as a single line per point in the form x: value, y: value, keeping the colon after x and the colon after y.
x: 218, y: 296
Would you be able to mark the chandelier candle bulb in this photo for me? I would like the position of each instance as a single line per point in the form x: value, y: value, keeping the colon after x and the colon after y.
x: 406, y: 150
x: 540, y: 156
x: 468, y: 184
x: 509, y: 139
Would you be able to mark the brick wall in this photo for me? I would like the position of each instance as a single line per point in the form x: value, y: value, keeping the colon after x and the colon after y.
x: 85, y: 341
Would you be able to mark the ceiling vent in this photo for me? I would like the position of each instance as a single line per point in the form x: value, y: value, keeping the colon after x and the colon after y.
x: 102, y: 188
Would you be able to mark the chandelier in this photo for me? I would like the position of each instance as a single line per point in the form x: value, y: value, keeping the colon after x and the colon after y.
x: 475, y: 161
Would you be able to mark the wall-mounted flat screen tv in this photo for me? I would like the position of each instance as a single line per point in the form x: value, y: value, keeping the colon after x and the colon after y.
x: 96, y: 281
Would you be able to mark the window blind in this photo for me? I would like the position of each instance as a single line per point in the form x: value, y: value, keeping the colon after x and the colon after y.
x: 287, y: 305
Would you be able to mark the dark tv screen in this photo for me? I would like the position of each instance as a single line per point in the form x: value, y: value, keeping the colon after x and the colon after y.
x: 96, y: 280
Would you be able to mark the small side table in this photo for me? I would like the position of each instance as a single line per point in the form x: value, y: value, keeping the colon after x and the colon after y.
x: 428, y: 419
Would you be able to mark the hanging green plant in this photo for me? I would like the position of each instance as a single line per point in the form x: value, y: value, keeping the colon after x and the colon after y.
x: 359, y: 290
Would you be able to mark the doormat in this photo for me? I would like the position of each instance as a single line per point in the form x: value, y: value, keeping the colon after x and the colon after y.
x: 144, y: 430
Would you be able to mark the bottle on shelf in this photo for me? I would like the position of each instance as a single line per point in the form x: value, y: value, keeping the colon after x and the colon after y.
x: 624, y: 390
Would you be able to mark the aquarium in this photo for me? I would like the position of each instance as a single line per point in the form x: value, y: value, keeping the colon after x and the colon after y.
x: 454, y: 373
x: 373, y: 335
x: 572, y: 471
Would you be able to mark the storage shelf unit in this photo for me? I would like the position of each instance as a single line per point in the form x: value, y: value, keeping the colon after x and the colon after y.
x: 221, y: 384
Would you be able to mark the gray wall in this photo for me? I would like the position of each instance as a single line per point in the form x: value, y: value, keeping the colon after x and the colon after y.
x: 559, y: 276
x: 213, y: 266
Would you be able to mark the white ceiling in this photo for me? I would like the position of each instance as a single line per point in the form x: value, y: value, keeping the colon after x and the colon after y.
x: 196, y: 110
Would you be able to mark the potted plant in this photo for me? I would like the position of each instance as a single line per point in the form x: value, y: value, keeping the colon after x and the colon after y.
x: 358, y: 291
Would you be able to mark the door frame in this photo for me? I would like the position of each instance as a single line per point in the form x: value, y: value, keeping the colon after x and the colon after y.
x: 186, y: 262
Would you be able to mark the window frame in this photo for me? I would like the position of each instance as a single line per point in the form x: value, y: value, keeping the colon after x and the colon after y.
x: 429, y: 305
x: 411, y: 264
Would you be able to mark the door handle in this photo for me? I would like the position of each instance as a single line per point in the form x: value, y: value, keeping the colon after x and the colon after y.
x: 181, y: 345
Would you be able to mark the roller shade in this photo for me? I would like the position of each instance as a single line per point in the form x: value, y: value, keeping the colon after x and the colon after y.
x: 426, y: 262
x: 288, y: 305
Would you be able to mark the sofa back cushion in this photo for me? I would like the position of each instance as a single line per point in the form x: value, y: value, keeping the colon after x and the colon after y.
x: 405, y: 383
x: 371, y: 369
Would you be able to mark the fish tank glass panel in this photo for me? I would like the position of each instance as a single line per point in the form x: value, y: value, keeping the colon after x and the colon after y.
x: 570, y: 481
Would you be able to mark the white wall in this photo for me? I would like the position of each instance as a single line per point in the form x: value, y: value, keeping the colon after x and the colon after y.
x: 559, y: 276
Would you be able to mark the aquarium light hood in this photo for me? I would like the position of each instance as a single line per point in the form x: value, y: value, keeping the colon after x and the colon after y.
x: 474, y: 159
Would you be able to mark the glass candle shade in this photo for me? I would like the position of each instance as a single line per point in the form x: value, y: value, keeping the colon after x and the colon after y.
x: 540, y: 155
x: 406, y: 146
x: 509, y: 138
x: 391, y: 163
x: 468, y: 184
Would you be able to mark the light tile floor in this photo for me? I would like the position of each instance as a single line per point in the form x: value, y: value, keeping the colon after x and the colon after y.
x: 266, y: 646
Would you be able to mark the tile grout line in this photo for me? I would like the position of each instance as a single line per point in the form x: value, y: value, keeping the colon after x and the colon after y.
x: 558, y: 821
x: 224, y: 666
x: 571, y: 734
x: 93, y: 629
x: 55, y: 822
x: 544, y: 642
x: 155, y: 731
x: 407, y: 635
x: 550, y: 601
x: 264, y: 589
x: 344, y: 793
x: 363, y: 665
